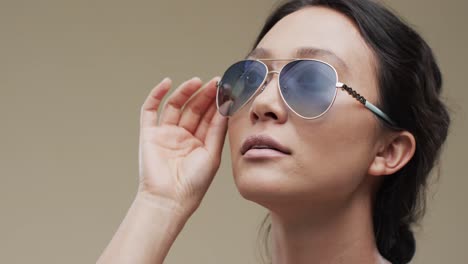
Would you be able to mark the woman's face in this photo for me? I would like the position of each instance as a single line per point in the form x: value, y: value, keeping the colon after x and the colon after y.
x: 329, y: 156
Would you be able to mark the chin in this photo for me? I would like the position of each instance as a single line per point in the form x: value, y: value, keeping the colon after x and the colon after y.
x: 264, y: 185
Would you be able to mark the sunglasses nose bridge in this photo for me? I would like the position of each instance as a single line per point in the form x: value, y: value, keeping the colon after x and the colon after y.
x: 265, y: 83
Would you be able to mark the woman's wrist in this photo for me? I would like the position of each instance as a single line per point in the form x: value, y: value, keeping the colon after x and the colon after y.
x: 147, y: 232
x: 166, y: 206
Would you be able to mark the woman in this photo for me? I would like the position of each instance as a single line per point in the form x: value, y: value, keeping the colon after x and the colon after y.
x: 335, y: 121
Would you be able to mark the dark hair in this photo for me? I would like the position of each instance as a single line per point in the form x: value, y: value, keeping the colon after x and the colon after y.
x: 410, y: 84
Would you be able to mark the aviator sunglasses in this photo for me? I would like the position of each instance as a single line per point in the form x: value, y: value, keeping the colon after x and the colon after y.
x: 307, y: 86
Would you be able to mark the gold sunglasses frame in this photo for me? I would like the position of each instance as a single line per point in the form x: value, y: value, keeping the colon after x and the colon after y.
x: 374, y: 109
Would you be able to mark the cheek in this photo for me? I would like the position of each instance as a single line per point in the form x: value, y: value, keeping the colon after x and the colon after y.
x: 237, y: 128
x: 234, y: 133
x: 337, y: 150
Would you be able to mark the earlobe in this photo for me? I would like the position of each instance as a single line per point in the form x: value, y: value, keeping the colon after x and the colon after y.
x: 394, y: 155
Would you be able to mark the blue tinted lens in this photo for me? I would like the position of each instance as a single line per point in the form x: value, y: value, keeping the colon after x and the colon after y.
x: 238, y: 84
x: 308, y: 86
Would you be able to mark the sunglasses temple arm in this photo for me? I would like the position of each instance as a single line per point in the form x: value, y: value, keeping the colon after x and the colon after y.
x: 374, y: 109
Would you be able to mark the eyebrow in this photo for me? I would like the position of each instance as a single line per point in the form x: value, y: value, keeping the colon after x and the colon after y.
x: 302, y: 52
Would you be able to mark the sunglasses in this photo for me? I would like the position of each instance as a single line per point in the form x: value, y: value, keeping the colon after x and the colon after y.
x: 307, y: 86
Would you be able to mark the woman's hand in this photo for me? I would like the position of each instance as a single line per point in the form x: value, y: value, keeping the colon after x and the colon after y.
x: 179, y: 154
x: 180, y: 150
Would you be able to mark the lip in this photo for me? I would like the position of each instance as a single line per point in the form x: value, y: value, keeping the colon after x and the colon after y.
x: 274, y: 147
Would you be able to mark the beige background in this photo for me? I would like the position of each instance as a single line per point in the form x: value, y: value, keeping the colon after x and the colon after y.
x: 73, y: 75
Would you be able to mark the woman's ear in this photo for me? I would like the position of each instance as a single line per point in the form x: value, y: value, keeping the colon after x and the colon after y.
x: 395, y: 153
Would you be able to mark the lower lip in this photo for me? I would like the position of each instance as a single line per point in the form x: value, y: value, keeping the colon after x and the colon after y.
x: 263, y: 154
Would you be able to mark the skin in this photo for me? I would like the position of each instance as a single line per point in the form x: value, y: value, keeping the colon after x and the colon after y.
x: 319, y: 196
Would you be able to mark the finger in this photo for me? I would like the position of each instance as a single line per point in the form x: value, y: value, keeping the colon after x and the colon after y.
x: 173, y: 107
x: 197, y: 106
x: 203, y: 125
x: 149, y: 109
x: 216, y: 134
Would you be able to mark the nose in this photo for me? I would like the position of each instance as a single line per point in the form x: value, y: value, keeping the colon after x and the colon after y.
x: 268, y: 104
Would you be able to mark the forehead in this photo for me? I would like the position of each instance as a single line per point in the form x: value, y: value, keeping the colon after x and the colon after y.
x: 327, y: 34
x: 303, y: 52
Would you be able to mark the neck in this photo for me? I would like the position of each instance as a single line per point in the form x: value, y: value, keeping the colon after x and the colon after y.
x: 325, y: 235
